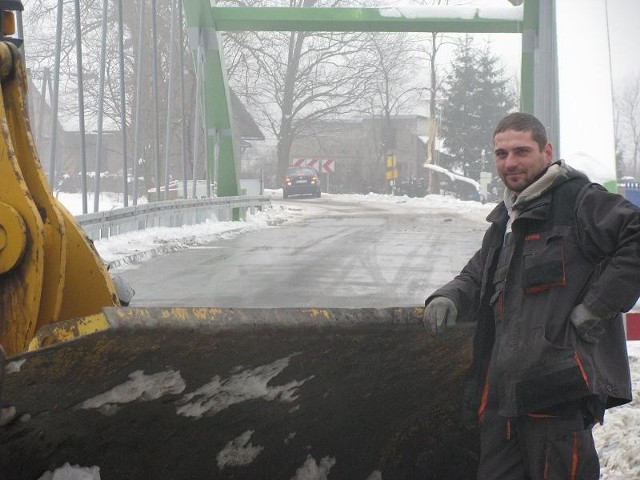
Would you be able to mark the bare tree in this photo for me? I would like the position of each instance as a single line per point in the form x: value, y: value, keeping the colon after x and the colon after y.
x: 437, y: 42
x: 40, y: 28
x: 394, y: 88
x: 436, y: 86
x: 145, y: 36
x: 628, y: 112
x: 289, y: 80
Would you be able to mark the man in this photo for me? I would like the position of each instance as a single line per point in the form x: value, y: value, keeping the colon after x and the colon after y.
x: 558, y: 264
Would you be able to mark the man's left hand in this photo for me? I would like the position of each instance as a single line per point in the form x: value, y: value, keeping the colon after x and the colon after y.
x: 587, y: 324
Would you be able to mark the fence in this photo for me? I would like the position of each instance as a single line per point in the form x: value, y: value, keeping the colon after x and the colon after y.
x: 171, y: 213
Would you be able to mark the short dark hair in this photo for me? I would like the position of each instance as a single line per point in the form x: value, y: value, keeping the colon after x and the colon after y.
x: 523, y: 122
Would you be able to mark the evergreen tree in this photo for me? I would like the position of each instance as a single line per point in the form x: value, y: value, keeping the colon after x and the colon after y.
x: 476, y: 97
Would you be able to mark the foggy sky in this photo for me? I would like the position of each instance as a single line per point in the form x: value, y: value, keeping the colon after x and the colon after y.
x: 624, y: 33
x: 624, y: 17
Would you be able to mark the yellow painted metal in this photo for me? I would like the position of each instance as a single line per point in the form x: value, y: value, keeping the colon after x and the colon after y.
x: 14, y: 89
x: 21, y: 287
x: 68, y: 330
x: 87, y: 284
x: 60, y: 275
x: 13, y: 237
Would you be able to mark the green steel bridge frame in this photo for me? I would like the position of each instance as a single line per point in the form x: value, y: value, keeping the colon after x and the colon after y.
x: 534, y: 21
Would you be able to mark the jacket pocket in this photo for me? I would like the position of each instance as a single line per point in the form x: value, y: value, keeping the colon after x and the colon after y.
x: 543, y: 262
x: 555, y: 375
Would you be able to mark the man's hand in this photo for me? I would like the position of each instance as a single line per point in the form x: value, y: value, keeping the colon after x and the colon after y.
x: 439, y: 313
x: 587, y: 324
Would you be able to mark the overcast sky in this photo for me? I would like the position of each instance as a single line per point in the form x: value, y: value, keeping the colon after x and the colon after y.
x: 624, y: 32
x: 624, y: 16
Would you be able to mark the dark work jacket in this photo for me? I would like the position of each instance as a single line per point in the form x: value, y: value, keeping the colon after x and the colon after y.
x: 577, y: 243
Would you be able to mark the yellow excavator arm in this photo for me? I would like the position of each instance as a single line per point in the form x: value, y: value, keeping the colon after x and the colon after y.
x: 49, y: 269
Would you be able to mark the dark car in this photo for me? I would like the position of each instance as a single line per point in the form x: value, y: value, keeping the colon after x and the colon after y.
x: 411, y: 187
x: 301, y: 181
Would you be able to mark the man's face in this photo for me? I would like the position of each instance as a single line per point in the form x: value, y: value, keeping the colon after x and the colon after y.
x: 519, y: 160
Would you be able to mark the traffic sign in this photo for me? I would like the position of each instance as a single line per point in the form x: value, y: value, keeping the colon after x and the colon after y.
x: 392, y: 167
x: 321, y: 165
x: 329, y: 166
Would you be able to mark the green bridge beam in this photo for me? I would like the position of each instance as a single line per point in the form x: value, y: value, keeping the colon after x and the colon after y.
x: 209, y: 64
x: 384, y: 19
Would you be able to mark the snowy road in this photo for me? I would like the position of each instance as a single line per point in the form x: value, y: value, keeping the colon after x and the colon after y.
x: 336, y: 254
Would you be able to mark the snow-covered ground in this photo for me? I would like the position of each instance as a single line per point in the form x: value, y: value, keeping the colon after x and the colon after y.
x: 617, y: 440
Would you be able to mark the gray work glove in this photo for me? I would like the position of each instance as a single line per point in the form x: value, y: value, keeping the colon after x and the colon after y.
x: 439, y: 313
x: 587, y: 324
x: 124, y: 291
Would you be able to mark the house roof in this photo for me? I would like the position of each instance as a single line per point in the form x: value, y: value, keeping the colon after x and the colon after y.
x: 247, y: 127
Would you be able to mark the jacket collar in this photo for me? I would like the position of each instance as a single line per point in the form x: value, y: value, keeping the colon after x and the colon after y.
x: 529, y: 202
x: 554, y: 175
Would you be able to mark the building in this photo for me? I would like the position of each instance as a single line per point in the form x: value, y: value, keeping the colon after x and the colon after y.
x: 360, y: 147
x: 68, y: 153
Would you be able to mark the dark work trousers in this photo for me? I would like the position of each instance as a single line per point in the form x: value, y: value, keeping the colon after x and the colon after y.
x: 537, y: 448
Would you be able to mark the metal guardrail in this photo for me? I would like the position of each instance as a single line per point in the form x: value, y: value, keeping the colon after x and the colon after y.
x: 169, y: 213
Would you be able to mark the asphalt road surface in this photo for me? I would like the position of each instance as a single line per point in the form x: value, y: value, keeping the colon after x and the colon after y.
x: 340, y: 254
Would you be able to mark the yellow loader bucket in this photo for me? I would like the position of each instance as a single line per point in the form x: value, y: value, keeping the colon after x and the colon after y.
x: 189, y: 393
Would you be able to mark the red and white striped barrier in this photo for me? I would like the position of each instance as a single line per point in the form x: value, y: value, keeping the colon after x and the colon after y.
x: 632, y: 325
